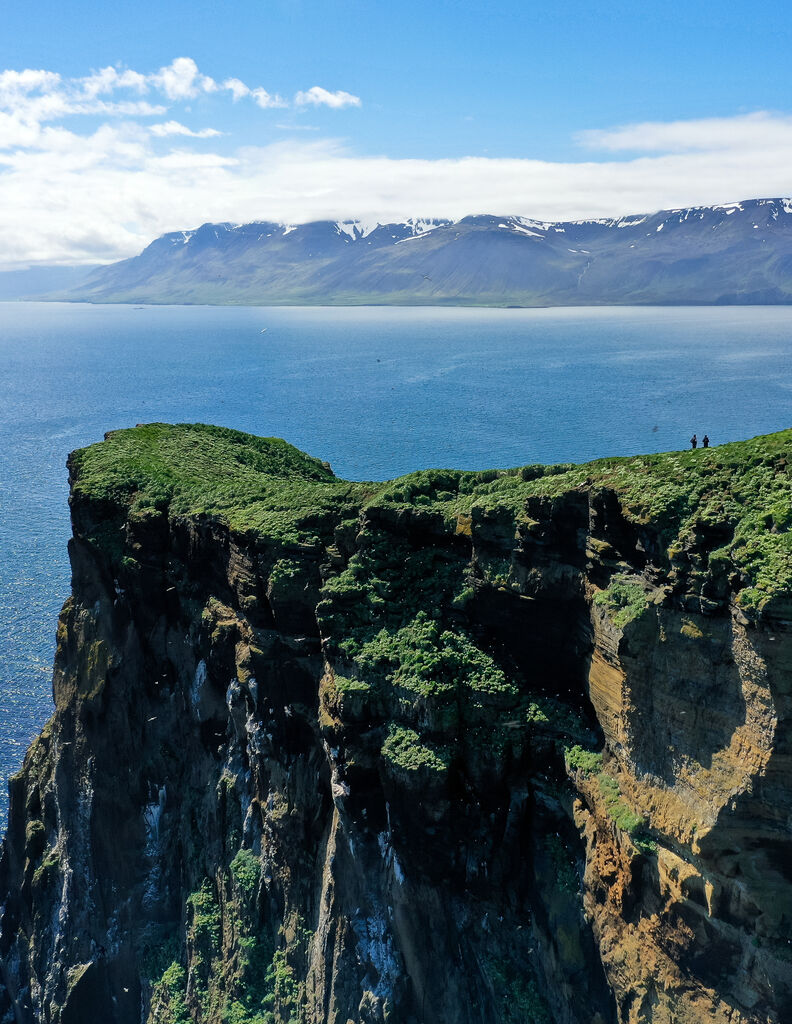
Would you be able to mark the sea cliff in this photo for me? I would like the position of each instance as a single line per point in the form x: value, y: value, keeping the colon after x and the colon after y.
x: 504, y: 746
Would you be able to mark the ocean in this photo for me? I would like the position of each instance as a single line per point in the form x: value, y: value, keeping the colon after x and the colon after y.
x: 377, y: 391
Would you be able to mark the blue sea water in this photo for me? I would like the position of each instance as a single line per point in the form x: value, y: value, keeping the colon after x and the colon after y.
x: 376, y: 391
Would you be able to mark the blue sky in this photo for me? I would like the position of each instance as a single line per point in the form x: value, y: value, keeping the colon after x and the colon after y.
x: 417, y: 108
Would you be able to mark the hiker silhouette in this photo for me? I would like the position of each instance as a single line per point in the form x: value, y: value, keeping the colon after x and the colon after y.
x: 693, y: 441
x: 705, y: 442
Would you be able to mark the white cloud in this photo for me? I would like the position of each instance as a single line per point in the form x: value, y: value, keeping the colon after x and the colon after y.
x: 317, y: 96
x: 265, y: 99
x: 284, y: 126
x: 235, y: 86
x: 181, y: 80
x: 176, y: 128
x: 14, y: 84
x: 110, y: 78
x: 33, y: 96
x: 759, y: 129
x: 68, y: 202
x: 185, y: 159
x: 74, y: 195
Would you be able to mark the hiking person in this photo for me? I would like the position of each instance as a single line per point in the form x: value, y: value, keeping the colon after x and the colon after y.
x: 705, y: 442
x: 693, y: 441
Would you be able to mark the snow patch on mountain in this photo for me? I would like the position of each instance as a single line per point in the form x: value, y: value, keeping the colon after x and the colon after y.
x: 356, y: 229
x: 412, y: 228
x: 526, y: 226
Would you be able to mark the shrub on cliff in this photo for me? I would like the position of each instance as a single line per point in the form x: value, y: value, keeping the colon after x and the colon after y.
x: 624, y: 598
x: 589, y: 762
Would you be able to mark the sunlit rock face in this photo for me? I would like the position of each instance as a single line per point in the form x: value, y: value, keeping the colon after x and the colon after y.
x: 462, y: 747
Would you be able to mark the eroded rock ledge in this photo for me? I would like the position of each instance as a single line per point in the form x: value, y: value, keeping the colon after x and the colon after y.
x: 462, y: 747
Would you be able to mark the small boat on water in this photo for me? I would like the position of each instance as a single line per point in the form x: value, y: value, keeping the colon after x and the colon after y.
x: 263, y: 330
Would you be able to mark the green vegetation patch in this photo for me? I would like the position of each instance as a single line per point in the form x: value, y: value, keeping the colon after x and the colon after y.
x: 720, y: 511
x: 589, y: 762
x: 404, y: 749
x: 516, y: 994
x: 255, y: 484
x: 47, y: 870
x: 691, y: 630
x: 266, y: 988
x: 393, y: 625
x: 284, y: 571
x: 384, y: 586
x: 624, y: 598
x: 623, y: 817
x: 246, y: 871
x: 689, y: 499
x: 236, y: 971
x: 205, y: 913
x: 425, y: 660
x: 352, y: 687
x: 170, y: 994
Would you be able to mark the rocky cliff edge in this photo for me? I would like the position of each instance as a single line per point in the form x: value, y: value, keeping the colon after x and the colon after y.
x: 491, y: 747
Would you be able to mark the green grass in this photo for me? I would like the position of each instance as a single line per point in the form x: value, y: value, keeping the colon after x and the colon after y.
x: 284, y: 571
x: 590, y: 764
x: 352, y: 686
x: 46, y: 871
x: 739, y: 491
x: 623, y: 817
x: 255, y: 484
x: 239, y: 973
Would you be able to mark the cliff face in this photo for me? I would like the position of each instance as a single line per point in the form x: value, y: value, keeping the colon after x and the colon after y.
x: 464, y: 747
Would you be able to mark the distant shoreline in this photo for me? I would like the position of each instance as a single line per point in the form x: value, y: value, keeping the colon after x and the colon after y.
x: 289, y: 304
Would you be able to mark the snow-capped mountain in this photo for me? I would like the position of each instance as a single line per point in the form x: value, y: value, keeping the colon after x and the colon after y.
x: 736, y: 253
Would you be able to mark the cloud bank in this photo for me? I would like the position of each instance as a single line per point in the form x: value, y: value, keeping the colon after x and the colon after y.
x: 100, y: 188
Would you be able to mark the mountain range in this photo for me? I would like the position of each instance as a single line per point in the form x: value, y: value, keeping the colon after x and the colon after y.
x: 740, y: 253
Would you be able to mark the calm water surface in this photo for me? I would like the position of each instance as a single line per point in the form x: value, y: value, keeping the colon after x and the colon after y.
x: 378, y: 392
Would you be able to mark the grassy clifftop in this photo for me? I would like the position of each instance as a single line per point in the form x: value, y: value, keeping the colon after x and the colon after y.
x: 726, y: 511
x: 255, y: 484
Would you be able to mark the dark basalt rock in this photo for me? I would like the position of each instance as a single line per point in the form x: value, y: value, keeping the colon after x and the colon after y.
x: 355, y: 774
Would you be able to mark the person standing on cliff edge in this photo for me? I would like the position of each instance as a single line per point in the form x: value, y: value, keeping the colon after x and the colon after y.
x: 693, y: 441
x: 705, y: 441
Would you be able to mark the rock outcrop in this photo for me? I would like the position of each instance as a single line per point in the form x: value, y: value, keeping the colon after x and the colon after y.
x: 462, y: 747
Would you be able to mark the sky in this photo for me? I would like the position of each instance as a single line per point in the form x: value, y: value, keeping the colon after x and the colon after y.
x: 124, y: 121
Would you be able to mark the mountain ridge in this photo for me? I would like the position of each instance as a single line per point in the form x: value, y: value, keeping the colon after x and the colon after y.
x: 737, y: 253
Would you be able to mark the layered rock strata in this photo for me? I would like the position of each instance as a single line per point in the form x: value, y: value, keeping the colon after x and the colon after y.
x: 463, y: 747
